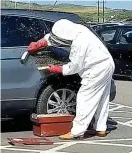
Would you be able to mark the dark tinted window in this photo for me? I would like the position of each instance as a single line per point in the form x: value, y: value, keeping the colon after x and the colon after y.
x: 108, y: 35
x: 126, y: 36
x: 20, y: 31
x: 49, y: 25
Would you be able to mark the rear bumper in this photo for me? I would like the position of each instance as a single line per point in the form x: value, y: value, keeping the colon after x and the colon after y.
x: 14, y: 107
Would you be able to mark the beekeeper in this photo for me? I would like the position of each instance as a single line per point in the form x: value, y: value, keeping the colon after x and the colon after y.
x: 90, y: 58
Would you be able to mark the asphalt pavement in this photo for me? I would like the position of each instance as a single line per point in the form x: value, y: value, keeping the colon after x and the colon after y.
x: 119, y: 140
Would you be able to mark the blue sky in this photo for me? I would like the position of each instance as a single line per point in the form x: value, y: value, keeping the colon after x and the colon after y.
x: 115, y: 4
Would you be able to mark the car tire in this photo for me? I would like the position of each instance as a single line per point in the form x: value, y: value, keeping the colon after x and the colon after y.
x: 41, y: 107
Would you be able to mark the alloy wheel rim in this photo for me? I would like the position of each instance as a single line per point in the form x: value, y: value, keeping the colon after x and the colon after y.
x: 62, y: 101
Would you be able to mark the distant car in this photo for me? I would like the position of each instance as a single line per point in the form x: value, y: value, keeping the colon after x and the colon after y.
x: 104, y: 25
x: 23, y: 88
x: 119, y: 42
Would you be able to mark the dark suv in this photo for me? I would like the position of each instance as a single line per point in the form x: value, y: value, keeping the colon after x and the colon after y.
x: 23, y: 88
x: 118, y: 39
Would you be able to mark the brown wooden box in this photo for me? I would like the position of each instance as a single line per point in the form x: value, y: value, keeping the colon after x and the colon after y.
x: 51, y: 124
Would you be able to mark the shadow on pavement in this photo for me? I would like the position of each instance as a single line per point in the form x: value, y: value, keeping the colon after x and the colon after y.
x: 22, y: 124
x: 16, y: 125
x: 111, y: 124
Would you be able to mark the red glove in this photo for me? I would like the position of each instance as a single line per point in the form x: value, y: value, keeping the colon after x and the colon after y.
x: 35, y: 46
x: 55, y: 69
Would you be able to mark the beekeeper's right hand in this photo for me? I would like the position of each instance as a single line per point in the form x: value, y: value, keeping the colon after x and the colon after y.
x: 35, y: 46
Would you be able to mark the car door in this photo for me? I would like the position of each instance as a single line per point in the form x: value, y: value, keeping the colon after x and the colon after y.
x: 18, y: 82
x: 110, y: 36
x: 124, y: 48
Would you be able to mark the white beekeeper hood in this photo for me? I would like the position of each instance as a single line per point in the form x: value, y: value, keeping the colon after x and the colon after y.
x: 63, y: 33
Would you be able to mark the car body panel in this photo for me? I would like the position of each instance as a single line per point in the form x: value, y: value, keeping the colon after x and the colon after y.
x: 16, y: 76
x: 18, y: 82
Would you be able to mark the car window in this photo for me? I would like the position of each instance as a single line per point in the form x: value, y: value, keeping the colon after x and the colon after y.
x: 49, y: 25
x: 124, y: 39
x: 20, y: 31
x: 108, y: 35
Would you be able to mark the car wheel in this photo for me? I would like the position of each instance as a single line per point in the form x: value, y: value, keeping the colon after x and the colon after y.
x: 59, y: 100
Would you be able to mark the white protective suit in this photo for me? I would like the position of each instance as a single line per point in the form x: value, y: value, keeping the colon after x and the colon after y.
x: 92, y: 61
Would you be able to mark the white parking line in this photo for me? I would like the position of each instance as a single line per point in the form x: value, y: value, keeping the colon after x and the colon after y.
x: 116, y: 104
x: 1, y: 147
x: 130, y: 125
x: 117, y: 117
x: 111, y: 144
x: 115, y: 108
x: 120, y: 111
x: 129, y: 122
x: 113, y: 103
x: 123, y: 139
x: 67, y: 144
x: 58, y: 152
x: 18, y: 149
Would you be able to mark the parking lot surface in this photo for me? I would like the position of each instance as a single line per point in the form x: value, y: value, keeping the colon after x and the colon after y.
x: 119, y: 140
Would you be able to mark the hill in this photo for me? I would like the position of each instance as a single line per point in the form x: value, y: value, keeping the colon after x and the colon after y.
x: 87, y: 13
